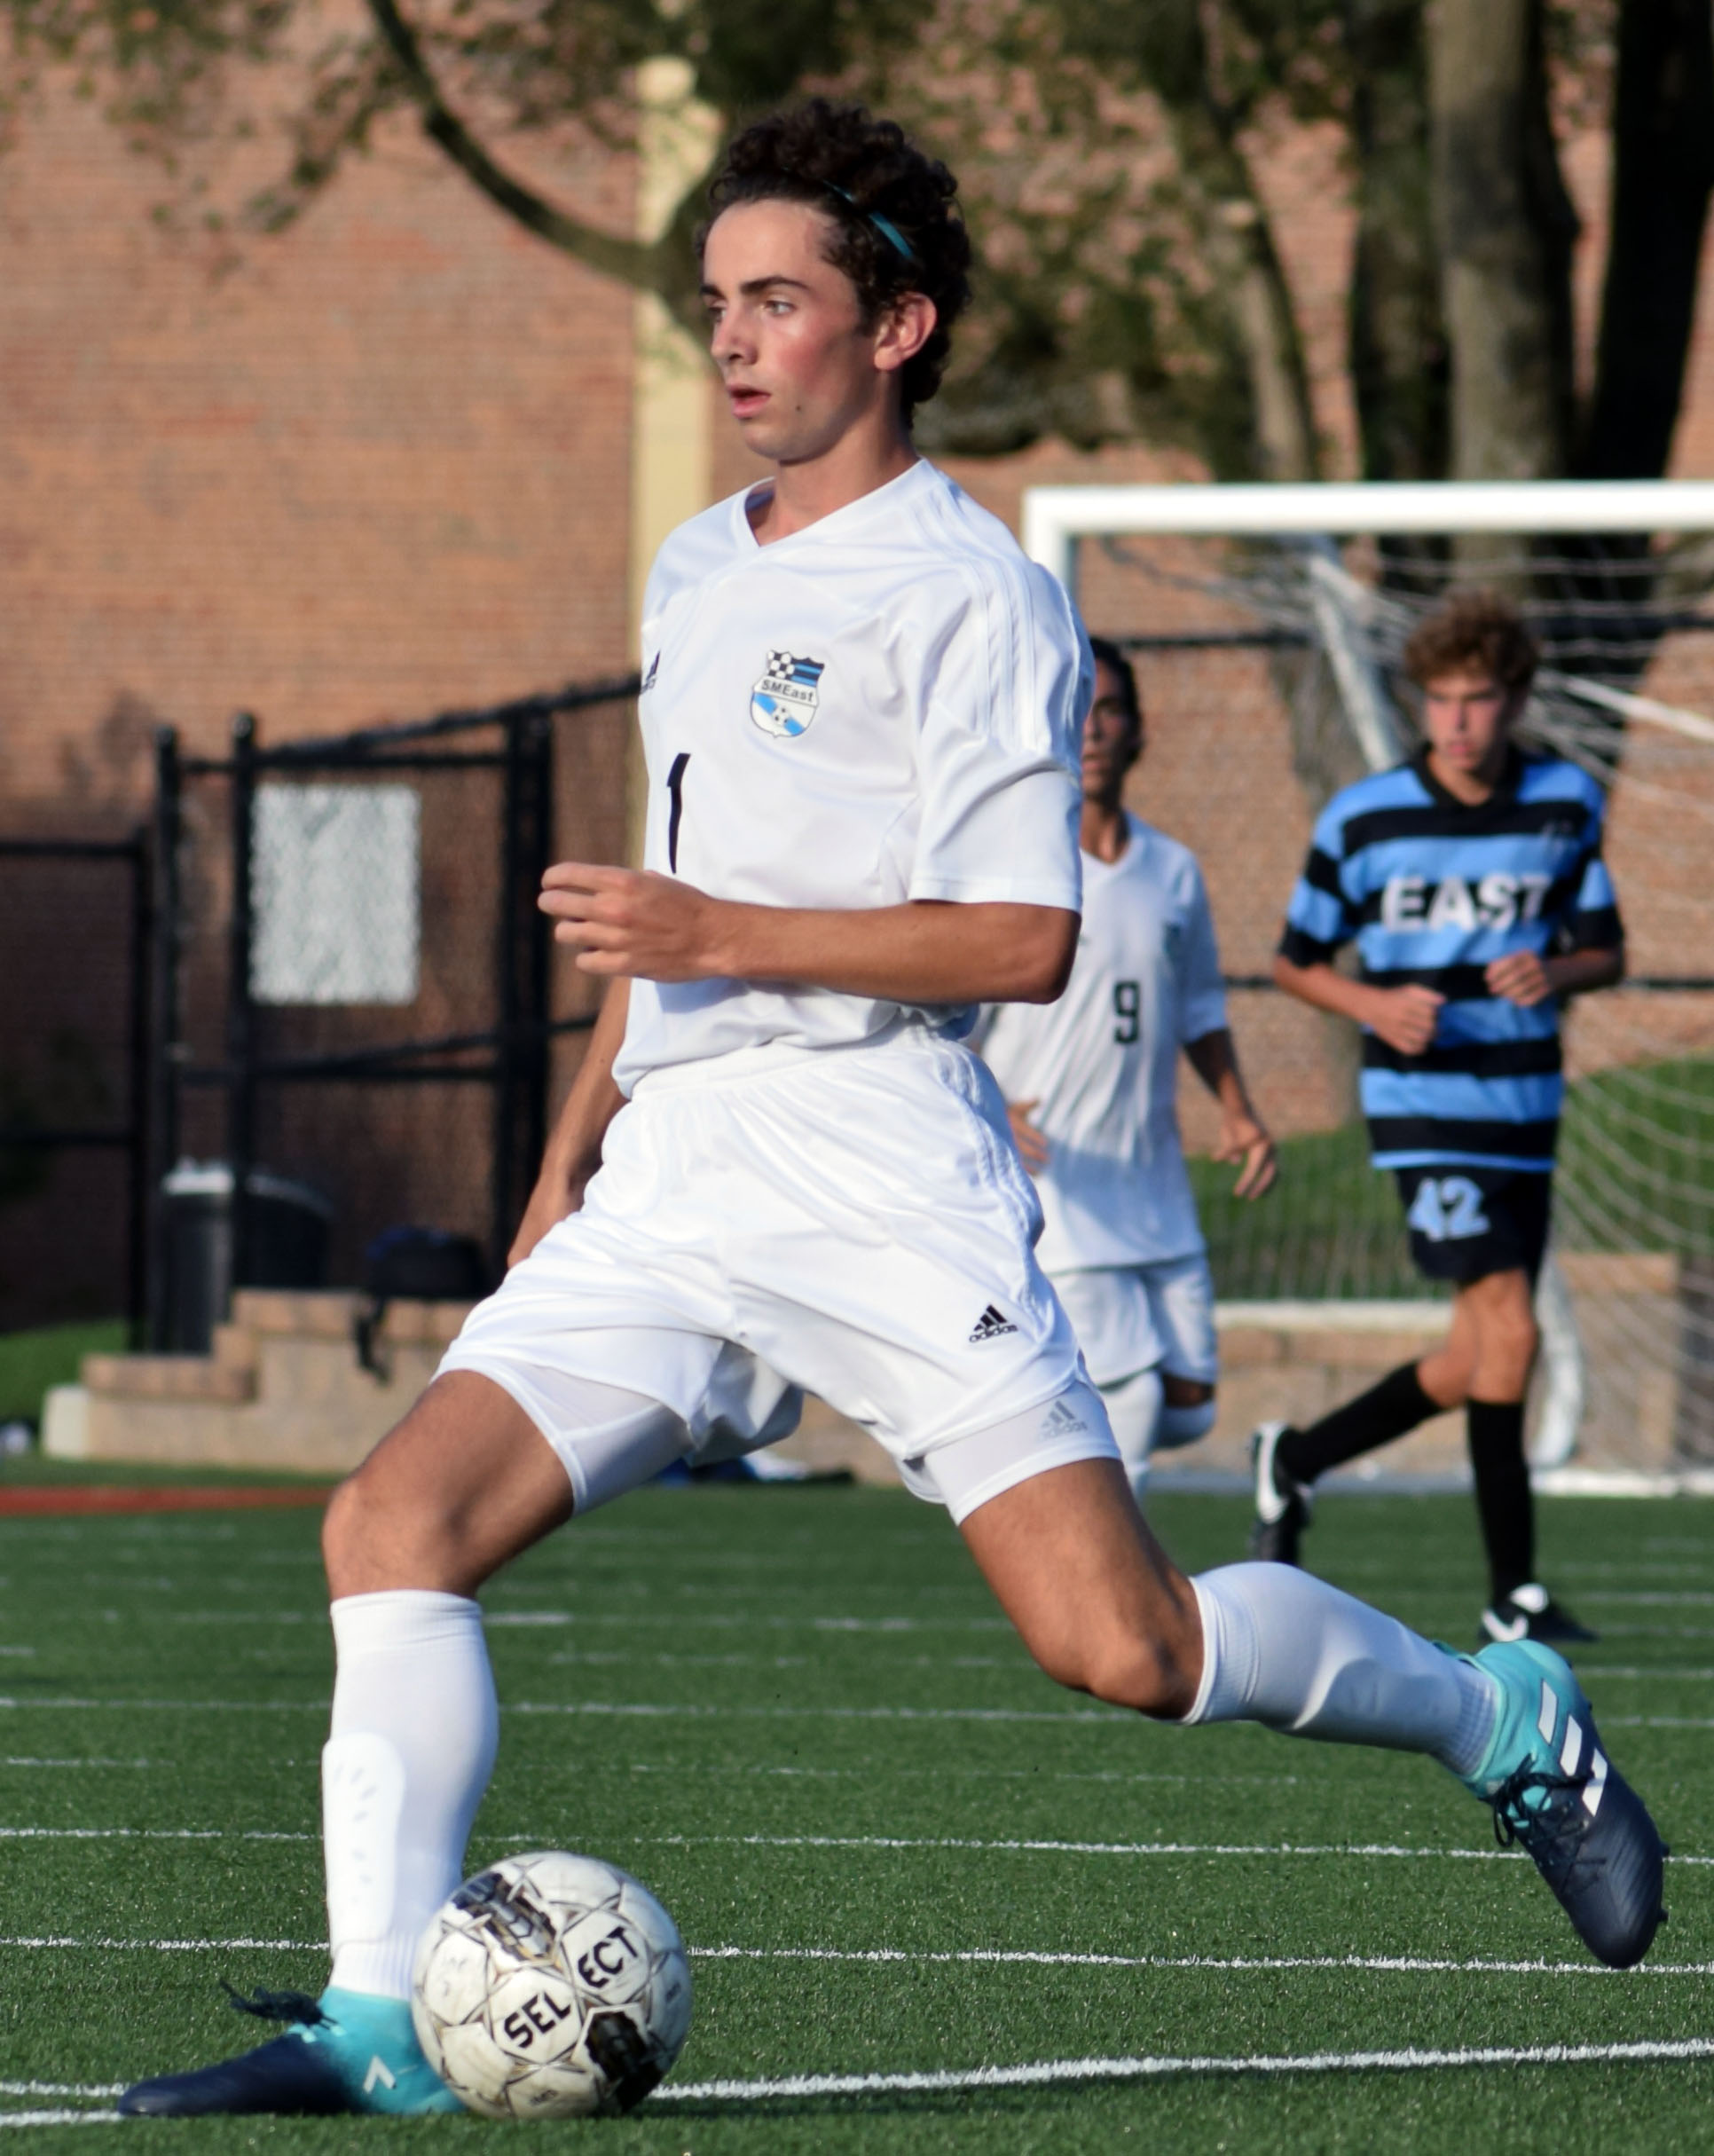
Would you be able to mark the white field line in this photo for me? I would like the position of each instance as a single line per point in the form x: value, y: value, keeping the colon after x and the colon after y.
x: 1048, y: 2071
x: 61, y: 1763
x: 89, y: 2089
x: 1114, y: 1849
x: 1148, y: 2069
x: 1111, y: 1718
x: 61, y: 2118
x: 149, y: 1834
x: 1116, y: 1717
x: 1383, y: 1964
x: 1676, y: 1598
x: 1627, y: 1670
x: 159, y: 1945
x: 850, y: 1841
x: 176, y: 1706
x: 1387, y: 1964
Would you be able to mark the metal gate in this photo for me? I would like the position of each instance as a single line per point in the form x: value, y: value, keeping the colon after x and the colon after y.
x: 351, y: 975
x: 75, y: 1159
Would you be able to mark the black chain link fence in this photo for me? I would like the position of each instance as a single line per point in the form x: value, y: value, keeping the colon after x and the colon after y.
x: 75, y: 935
x: 321, y: 975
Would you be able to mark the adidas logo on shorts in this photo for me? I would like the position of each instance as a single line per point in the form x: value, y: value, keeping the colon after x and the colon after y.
x: 1063, y: 1420
x: 990, y: 1326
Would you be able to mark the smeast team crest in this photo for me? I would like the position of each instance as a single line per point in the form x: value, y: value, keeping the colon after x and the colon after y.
x: 784, y: 701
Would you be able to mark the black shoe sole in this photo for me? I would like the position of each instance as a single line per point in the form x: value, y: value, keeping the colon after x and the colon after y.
x: 285, y: 2079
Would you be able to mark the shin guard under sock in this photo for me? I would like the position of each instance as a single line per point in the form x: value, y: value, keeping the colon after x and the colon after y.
x: 414, y: 1729
x: 1283, y: 1647
x: 1503, y: 1498
x: 1374, y: 1418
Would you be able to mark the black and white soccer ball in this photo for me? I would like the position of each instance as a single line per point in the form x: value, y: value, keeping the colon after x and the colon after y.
x: 550, y: 1987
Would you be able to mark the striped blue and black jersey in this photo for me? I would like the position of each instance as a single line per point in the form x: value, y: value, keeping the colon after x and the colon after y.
x: 1434, y: 891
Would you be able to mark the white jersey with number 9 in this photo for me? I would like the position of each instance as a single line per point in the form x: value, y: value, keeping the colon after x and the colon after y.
x: 1103, y: 1062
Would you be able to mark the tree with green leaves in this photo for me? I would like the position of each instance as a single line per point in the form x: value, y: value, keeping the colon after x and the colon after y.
x: 1111, y: 152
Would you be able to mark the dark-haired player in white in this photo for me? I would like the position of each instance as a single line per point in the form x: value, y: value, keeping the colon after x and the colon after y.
x: 1091, y: 1087
x: 780, y: 1167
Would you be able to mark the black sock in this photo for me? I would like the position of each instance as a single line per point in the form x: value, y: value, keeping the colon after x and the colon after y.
x: 1503, y: 1500
x: 1374, y: 1418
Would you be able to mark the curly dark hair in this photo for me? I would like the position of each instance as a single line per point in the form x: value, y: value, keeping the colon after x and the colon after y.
x: 1475, y: 628
x: 1107, y: 653
x: 858, y: 169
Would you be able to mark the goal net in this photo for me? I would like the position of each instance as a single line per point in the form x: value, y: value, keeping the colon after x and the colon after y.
x: 1266, y: 624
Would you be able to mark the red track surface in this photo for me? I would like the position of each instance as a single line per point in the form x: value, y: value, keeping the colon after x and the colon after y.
x: 41, y: 1497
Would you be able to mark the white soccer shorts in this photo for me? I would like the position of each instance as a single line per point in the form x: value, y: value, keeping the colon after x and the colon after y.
x: 851, y: 1221
x: 1132, y: 1318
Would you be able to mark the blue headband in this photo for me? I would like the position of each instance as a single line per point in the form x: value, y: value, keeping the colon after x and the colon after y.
x: 887, y: 229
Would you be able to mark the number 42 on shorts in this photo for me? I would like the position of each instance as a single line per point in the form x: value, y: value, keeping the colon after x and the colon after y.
x: 1447, y: 1209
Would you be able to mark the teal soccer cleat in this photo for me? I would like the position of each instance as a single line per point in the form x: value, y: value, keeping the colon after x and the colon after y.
x: 1555, y: 1792
x: 346, y: 2051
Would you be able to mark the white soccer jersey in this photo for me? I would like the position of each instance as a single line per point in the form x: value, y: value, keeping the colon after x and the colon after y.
x: 1103, y: 1061
x: 882, y: 707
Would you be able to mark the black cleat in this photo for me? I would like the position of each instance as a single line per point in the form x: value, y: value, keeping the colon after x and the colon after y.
x: 1282, y: 1504
x: 1529, y: 1612
x: 287, y: 2077
x: 1556, y: 1794
x: 362, y: 2056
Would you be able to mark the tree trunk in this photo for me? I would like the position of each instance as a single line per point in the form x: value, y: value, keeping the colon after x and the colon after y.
x: 1507, y: 228
x: 1662, y: 170
x: 1241, y: 246
x: 1399, y: 357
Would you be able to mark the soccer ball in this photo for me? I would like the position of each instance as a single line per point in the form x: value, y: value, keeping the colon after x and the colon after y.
x: 550, y: 1987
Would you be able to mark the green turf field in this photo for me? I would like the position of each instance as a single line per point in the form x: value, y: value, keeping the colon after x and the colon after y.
x: 892, y: 1846
x: 51, y: 1355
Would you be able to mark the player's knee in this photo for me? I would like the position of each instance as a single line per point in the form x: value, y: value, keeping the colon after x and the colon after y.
x: 1187, y: 1413
x: 1152, y: 1675
x: 1509, y: 1339
x: 377, y: 1533
x: 341, y: 1533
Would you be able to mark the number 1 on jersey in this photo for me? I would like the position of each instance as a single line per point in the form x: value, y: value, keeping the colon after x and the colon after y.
x: 1126, y: 1010
x: 675, y: 787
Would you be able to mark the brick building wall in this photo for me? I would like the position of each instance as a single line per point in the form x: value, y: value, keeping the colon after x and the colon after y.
x: 383, y: 464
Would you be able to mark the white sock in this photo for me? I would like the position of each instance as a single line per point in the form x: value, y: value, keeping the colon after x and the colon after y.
x: 1283, y: 1647
x: 1133, y: 1407
x: 415, y: 1729
x: 1176, y: 1426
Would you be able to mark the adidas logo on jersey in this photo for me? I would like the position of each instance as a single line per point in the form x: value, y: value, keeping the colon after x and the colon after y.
x: 990, y: 1326
x: 1063, y: 1420
x: 648, y: 679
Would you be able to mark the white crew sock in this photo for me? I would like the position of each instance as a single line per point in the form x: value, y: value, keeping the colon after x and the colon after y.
x: 1133, y: 1407
x: 414, y: 1729
x: 1283, y: 1647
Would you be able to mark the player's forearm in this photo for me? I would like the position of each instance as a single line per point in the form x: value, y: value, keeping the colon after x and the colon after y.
x: 1213, y: 1058
x: 574, y: 1148
x: 923, y: 952
x: 1326, y: 989
x: 1577, y: 972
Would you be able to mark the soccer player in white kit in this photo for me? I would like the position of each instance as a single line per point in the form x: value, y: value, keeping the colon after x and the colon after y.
x: 1092, y: 1082
x: 779, y: 1167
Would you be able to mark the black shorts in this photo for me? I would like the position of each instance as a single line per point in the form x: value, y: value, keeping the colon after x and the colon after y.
x: 1466, y: 1223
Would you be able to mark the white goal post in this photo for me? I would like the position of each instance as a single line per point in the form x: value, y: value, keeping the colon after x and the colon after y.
x: 1346, y: 618
x: 1056, y: 517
